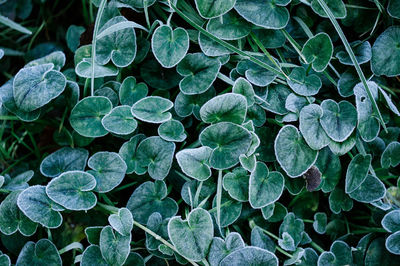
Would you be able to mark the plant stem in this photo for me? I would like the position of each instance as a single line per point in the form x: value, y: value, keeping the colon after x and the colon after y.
x: 219, y: 196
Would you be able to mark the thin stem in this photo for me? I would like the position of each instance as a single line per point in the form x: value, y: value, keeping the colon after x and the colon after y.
x: 225, y: 79
x: 317, y: 247
x: 219, y: 196
x: 283, y: 252
x: 353, y: 59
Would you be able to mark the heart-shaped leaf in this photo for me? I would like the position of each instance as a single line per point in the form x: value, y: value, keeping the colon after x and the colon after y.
x: 108, y: 93
x: 347, y: 81
x: 393, y: 243
x: 212, y: 48
x: 320, y: 221
x: 230, y: 27
x: 357, y: 171
x: 220, y: 248
x: 169, y: 46
x: 38, y: 207
x: 72, y: 190
x: 120, y: 121
x: 264, y: 187
x: 92, y: 256
x: 302, y: 83
x: 199, y: 72
x: 43, y: 252
x: 228, y: 142
x: 391, y: 155
x: 86, y: 116
x: 318, y: 51
x: 339, y: 200
x: 339, y: 254
x: 385, y: 52
x: 310, y: 127
x: 128, y: 154
x: 172, y: 130
x: 338, y: 119
x: 337, y: 8
x: 228, y: 107
x: 250, y: 256
x: 286, y: 242
x: 122, y: 222
x: 152, y: 109
x: 118, y: 46
x: 36, y: 86
x: 156, y: 155
x: 131, y: 92
x: 230, y: 210
x: 114, y: 247
x: 276, y: 99
x: 372, y: 189
x: 194, y: 162
x: 63, y: 160
x: 236, y: 183
x: 214, y: 8
x: 269, y: 14
x: 292, y: 153
x: 108, y: 168
x: 198, y: 230
x: 151, y: 197
x: 259, y: 239
x: 293, y: 226
x: 341, y: 148
x: 12, y: 219
x: 256, y: 74
x: 391, y: 221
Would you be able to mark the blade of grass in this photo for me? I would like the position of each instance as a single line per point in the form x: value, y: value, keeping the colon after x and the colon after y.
x: 13, y: 25
x: 353, y: 59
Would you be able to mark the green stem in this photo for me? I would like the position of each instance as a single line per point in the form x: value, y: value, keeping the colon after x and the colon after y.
x: 283, y: 252
x: 353, y: 59
x: 219, y: 196
x: 316, y: 246
x: 225, y: 79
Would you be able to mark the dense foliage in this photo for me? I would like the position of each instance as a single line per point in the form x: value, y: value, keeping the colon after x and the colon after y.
x: 203, y: 132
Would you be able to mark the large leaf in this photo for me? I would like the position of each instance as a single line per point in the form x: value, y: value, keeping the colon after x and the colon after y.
x: 393, y: 243
x: 372, y: 189
x: 43, y: 252
x: 214, y: 8
x: 92, y: 256
x: 228, y: 107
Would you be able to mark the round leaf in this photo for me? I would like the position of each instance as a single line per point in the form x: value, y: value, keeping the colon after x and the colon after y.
x: 214, y: 8
x: 194, y: 162
x: 250, y: 256
x: 393, y: 243
x: 391, y: 155
x: 230, y: 27
x: 372, y: 189
x: 394, y: 8
x: 228, y: 107
x: 303, y: 84
x: 128, y: 154
x: 43, y: 252
x: 152, y: 109
x: 119, y: 121
x: 172, y: 130
x: 318, y: 51
x: 131, y: 92
x: 337, y: 8
x: 311, y: 128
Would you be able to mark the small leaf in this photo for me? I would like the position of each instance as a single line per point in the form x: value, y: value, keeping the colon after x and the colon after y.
x: 86, y: 116
x: 72, y: 190
x: 259, y: 239
x: 372, y: 189
x: 393, y: 8
x: 212, y: 9
x: 264, y: 187
x: 185, y: 105
x: 236, y: 183
x: 152, y: 109
x: 391, y: 155
x: 122, y: 222
x: 73, y: 37
x: 339, y: 254
x: 228, y: 107
x: 84, y: 69
x: 120, y: 121
x: 114, y: 247
x: 357, y: 172
x: 36, y: 86
x: 393, y: 243
x: 128, y: 154
x: 38, y: 207
x: 157, y: 77
x: 250, y: 256
x: 169, y: 46
x: 293, y: 226
x: 63, y: 160
x: 198, y: 230
x: 92, y: 256
x: 292, y: 153
x: 391, y: 221
x: 151, y: 197
x: 256, y: 74
x: 131, y: 91
x: 56, y: 58
x: 330, y: 168
x: 276, y: 99
x: 304, y: 84
x: 108, y: 168
x: 339, y: 200
x: 337, y: 8
x: 194, y: 162
x: 230, y: 210
x: 19, y: 182
x: 287, y: 242
x: 318, y: 51
x: 310, y: 127
x: 320, y: 222
x: 43, y: 252
x: 172, y: 130
x: 243, y: 87
x: 220, y: 248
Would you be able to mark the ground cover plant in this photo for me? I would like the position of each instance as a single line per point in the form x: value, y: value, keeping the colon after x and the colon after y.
x: 199, y: 132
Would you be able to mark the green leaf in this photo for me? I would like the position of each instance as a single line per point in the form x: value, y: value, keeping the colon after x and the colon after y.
x: 73, y: 37
x: 276, y: 99
x: 292, y: 153
x: 93, y: 234
x: 56, y: 58
x: 256, y: 74
x: 194, y: 162
x: 229, y: 27
x: 114, y: 247
x: 152, y: 109
x: 156, y: 155
x: 268, y: 14
x: 304, y: 84
x: 357, y: 172
x: 84, y: 69
x: 293, y: 226
x: 347, y: 81
x: 157, y: 77
x: 228, y: 142
x: 294, y: 103
x: 72, y: 190
x: 169, y: 46
x: 92, y: 256
x: 337, y: 7
x: 212, y: 48
x: 19, y: 182
x: 118, y: 46
x: 198, y: 231
x: 243, y: 87
x: 63, y: 160
x: 172, y: 130
x: 151, y: 197
x: 320, y: 222
x: 122, y: 222
x: 108, y: 168
x: 259, y: 239
x: 339, y: 200
x: 120, y: 121
x: 250, y: 256
x: 43, y: 252
x: 214, y: 8
x: 385, y: 52
x: 236, y: 183
x: 109, y: 93
x: 391, y: 156
x: 128, y: 154
x: 338, y: 119
x: 12, y: 219
x: 393, y: 8
x: 199, y: 72
x: 38, y: 207
x: 362, y: 52
x: 287, y: 242
x: 185, y: 105
x: 310, y: 127
x: 230, y: 210
x: 339, y: 254
x: 368, y: 124
x: 330, y: 168
x: 220, y: 248
x: 391, y: 221
x: 264, y: 187
x: 86, y: 116
x: 341, y: 148
x: 131, y: 91
x: 318, y: 51
x: 4, y: 258
x: 393, y: 243
x: 36, y: 86
x: 372, y: 189
x: 228, y: 107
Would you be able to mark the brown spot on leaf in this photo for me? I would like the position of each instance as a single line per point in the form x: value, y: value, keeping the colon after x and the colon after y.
x: 313, y: 178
